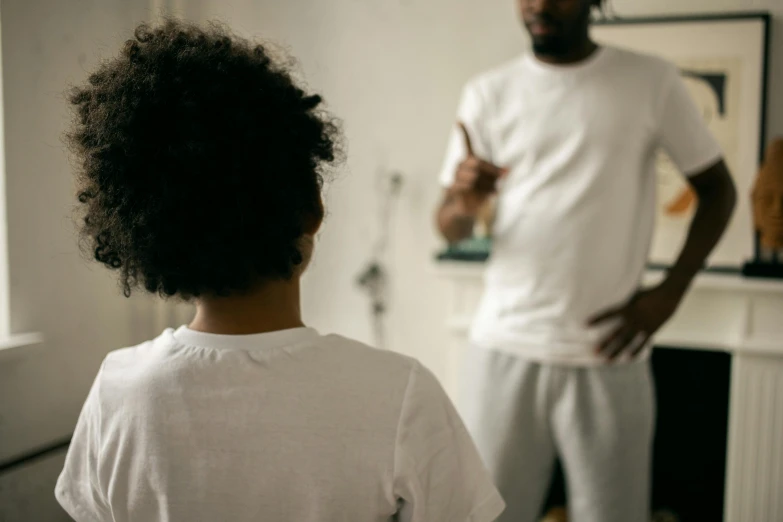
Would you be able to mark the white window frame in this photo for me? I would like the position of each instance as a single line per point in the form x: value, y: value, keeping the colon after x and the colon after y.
x: 12, y: 346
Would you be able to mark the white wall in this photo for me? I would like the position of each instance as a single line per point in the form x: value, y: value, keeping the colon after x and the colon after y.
x: 47, y: 45
x: 392, y: 70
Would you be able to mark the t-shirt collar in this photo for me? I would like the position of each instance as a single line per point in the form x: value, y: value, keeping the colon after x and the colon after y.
x: 539, y: 67
x: 270, y: 340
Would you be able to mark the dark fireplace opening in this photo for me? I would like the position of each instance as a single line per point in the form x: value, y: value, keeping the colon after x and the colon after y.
x: 691, y: 435
x: 689, y: 456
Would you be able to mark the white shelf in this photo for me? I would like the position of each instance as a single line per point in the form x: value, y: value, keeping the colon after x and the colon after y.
x: 459, y: 269
x: 725, y: 282
x: 19, y: 345
x: 705, y: 280
x: 722, y: 311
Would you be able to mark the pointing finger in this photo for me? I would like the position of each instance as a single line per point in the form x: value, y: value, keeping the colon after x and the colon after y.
x: 466, y: 136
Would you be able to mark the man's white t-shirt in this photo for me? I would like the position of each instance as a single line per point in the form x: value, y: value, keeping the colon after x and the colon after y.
x: 278, y: 427
x: 576, y: 212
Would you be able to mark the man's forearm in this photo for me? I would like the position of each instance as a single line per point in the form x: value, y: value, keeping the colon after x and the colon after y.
x: 453, y: 222
x: 716, y: 200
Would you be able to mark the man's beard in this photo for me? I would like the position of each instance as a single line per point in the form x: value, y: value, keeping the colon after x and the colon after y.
x: 565, y: 40
x: 552, y: 46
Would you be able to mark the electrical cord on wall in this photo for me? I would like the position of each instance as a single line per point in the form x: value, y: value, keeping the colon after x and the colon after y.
x: 374, y: 278
x: 606, y: 12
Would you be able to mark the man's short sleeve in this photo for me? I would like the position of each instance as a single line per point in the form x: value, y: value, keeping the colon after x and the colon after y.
x: 439, y: 474
x: 682, y: 132
x: 78, y: 489
x: 472, y: 113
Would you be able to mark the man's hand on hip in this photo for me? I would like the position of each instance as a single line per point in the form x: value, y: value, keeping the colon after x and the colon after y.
x: 640, y: 318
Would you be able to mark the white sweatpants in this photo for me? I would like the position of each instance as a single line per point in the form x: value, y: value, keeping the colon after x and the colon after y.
x: 598, y: 420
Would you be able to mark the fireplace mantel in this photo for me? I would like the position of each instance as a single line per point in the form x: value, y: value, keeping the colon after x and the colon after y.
x: 726, y: 312
x: 722, y: 312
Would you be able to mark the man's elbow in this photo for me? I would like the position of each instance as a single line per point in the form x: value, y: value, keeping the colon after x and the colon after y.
x: 732, y: 196
x: 715, y: 187
x: 726, y: 192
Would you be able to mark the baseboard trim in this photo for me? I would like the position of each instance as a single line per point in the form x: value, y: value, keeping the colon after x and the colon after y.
x: 26, y: 459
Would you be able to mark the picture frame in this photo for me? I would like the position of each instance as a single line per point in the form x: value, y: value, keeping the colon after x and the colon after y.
x: 724, y: 60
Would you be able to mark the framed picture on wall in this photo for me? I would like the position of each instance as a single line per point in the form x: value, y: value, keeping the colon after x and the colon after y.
x: 723, y: 61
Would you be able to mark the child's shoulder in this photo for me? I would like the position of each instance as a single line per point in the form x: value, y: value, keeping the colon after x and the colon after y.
x: 140, y: 352
x: 378, y: 372
x: 361, y: 353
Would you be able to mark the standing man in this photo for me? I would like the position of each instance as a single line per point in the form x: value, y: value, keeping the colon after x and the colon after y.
x: 567, y: 138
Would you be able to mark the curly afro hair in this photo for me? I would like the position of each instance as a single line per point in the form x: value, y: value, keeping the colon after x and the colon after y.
x: 201, y: 162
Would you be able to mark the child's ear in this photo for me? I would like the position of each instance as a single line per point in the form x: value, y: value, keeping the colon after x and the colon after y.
x: 313, y: 223
x: 306, y: 248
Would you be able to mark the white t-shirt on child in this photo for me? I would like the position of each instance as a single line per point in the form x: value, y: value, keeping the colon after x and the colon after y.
x: 285, y: 426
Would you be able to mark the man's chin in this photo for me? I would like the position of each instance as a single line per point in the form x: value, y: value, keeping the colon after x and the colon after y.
x: 553, y: 47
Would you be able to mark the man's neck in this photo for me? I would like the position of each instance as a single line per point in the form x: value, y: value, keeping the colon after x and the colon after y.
x: 271, y: 307
x: 576, y: 55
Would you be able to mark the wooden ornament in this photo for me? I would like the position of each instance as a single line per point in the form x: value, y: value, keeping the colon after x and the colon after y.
x: 767, y: 198
x: 556, y: 514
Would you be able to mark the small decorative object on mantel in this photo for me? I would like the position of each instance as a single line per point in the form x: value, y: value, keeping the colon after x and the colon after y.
x: 768, y: 216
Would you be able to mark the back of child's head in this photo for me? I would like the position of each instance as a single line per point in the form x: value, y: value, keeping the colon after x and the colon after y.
x: 201, y: 162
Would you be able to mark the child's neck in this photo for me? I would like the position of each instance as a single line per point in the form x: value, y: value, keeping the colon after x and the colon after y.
x: 273, y: 306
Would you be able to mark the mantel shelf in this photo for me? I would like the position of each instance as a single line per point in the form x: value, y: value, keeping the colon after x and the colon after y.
x: 722, y: 311
x: 704, y: 281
